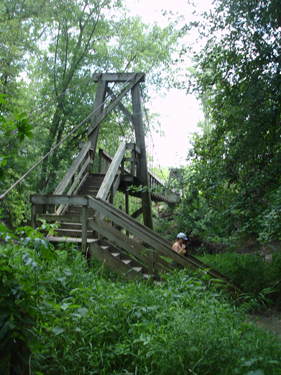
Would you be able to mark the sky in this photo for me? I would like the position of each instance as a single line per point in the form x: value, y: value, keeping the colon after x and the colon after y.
x: 179, y: 113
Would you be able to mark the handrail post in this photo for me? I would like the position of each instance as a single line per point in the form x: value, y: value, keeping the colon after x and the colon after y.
x: 84, y: 227
x: 33, y: 215
x: 150, y: 266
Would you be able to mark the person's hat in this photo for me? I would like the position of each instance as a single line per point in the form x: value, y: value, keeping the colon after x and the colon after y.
x: 183, y: 236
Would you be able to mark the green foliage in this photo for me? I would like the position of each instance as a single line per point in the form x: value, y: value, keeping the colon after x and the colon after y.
x: 95, y: 324
x: 256, y: 277
x: 234, y: 186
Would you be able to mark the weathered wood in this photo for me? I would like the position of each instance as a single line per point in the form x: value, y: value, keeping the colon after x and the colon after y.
x: 117, y: 77
x: 140, y: 141
x: 33, y: 215
x: 136, y: 213
x: 84, y: 227
x: 114, y: 263
x: 152, y: 238
x: 72, y: 170
x: 98, y: 108
x: 111, y: 173
x: 133, y: 248
x: 151, y: 265
x: 114, y: 103
x: 116, y: 184
x: 121, y: 106
x: 60, y: 218
x: 58, y: 199
x: 133, y: 146
x: 141, y: 253
x: 78, y: 241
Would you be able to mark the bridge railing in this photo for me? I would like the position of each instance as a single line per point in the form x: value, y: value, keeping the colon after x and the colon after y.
x: 76, y: 175
x: 155, y: 250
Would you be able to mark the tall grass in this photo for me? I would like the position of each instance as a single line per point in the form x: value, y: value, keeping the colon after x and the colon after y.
x: 93, y: 322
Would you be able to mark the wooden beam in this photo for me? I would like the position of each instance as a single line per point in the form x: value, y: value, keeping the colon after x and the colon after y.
x: 140, y: 141
x: 84, y: 227
x: 58, y: 199
x: 128, y: 244
x: 98, y: 108
x: 111, y: 173
x: 117, y: 77
x: 121, y: 106
x: 136, y: 213
x: 72, y: 170
x: 113, y: 104
x: 114, y: 263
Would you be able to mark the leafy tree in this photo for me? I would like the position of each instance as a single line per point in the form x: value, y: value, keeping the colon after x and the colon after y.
x: 236, y: 167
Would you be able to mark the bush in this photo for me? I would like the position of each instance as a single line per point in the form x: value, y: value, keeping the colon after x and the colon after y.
x: 93, y: 322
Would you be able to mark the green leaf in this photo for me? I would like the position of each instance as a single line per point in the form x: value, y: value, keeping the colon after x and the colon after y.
x: 83, y: 311
x: 57, y: 331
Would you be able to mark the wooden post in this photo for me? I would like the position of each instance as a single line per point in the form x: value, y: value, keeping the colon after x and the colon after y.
x: 98, y: 106
x: 100, y: 160
x: 84, y: 227
x: 151, y: 265
x: 33, y: 215
x: 127, y: 207
x: 140, y: 141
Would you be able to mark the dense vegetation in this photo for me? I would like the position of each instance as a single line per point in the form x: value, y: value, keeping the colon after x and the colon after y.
x: 87, y: 320
x: 50, y: 50
x: 234, y: 172
x: 62, y: 315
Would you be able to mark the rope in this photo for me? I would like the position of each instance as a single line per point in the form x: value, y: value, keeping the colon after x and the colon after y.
x: 55, y: 147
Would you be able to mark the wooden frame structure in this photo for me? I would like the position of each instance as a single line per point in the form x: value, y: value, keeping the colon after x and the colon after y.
x: 132, y: 83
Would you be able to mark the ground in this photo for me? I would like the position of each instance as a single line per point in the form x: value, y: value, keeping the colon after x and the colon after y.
x: 269, y: 319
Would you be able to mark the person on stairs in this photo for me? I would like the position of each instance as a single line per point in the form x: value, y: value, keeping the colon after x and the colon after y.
x: 180, y: 247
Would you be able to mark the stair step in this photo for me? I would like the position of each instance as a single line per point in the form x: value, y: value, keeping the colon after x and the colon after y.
x: 69, y: 239
x: 137, y: 269
x: 127, y: 261
x: 73, y: 226
x: 73, y: 232
x: 105, y: 247
x: 116, y: 255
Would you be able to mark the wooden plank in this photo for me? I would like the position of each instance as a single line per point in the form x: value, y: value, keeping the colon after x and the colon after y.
x: 133, y: 146
x: 98, y: 108
x: 117, y: 77
x: 121, y: 106
x: 136, y: 213
x: 113, y: 103
x: 84, y: 227
x: 111, y: 173
x: 150, y: 237
x: 140, y: 141
x: 72, y: 170
x: 134, y: 244
x: 131, y: 246
x: 60, y: 218
x: 33, y: 215
x: 78, y: 241
x: 112, y: 262
x: 85, y: 165
x: 58, y: 199
x: 116, y: 184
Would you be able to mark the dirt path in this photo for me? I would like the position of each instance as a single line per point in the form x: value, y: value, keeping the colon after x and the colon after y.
x: 270, y: 319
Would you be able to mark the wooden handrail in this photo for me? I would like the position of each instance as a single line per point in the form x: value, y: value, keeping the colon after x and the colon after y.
x: 72, y: 170
x: 112, y: 171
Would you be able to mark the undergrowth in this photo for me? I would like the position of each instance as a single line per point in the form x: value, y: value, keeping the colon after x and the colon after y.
x: 87, y: 320
x: 255, y: 276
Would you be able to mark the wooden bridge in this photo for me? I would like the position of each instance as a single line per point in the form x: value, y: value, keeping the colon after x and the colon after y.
x: 82, y: 203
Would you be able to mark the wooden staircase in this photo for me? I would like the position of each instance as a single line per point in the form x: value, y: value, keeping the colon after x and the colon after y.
x: 80, y: 204
x: 71, y: 231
